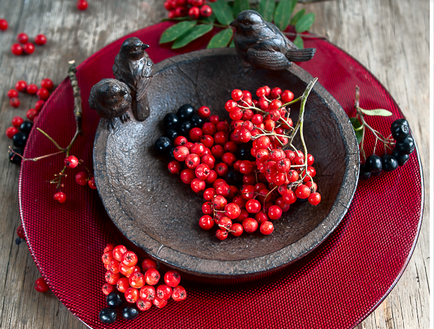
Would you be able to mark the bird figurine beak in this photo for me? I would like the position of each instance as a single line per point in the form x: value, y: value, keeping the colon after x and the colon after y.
x: 145, y: 46
x: 234, y: 23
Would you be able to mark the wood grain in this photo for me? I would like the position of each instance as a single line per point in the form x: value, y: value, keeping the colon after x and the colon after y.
x: 389, y: 37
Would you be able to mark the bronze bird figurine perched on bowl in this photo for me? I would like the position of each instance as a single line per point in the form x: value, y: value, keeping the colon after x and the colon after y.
x: 111, y: 99
x: 134, y: 67
x: 262, y: 45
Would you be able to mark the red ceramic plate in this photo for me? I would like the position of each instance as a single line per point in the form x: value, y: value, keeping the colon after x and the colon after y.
x: 336, y: 286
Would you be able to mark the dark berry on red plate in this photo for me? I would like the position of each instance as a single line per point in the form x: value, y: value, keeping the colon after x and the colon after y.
x: 15, y: 158
x: 400, y: 129
x: 20, y: 139
x: 171, y: 134
x: 389, y: 162
x: 26, y: 126
x: 374, y: 165
x: 162, y: 145
x: 114, y: 300
x: 171, y: 120
x: 107, y: 315
x: 406, y: 146
x: 184, y: 128
x: 129, y: 313
x: 400, y: 157
x: 196, y: 121
x: 185, y: 112
x: 364, y: 173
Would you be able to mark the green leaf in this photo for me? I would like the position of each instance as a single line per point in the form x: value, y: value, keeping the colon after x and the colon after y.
x: 266, y: 9
x: 222, y: 11
x: 221, y: 39
x: 232, y: 45
x: 305, y: 23
x: 297, y: 16
x: 191, y: 35
x: 209, y: 19
x: 376, y: 112
x: 283, y: 12
x: 175, y: 31
x: 239, y: 6
x: 357, y: 126
x: 299, y: 42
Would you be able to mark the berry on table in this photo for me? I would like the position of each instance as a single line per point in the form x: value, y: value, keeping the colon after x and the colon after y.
x: 39, y: 104
x: 21, y: 86
x: 43, y: 94
x: 20, y: 139
x: 14, y: 102
x: 3, y: 24
x: 82, y: 4
x: 32, y: 89
x: 20, y: 232
x: 17, y: 49
x: 22, y: 38
x: 40, y: 39
x: 31, y: 114
x: 47, y: 84
x: 40, y: 285
x: 29, y: 48
x: 12, y: 93
x: 11, y: 131
x: 60, y: 197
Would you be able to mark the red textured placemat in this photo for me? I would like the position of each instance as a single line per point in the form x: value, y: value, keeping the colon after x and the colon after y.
x: 335, y: 286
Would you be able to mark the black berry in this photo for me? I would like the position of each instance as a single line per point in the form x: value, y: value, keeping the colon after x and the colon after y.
x: 185, y: 112
x: 107, y: 315
x: 171, y: 120
x: 400, y: 129
x: 172, y: 133
x: 162, y: 145
x: 406, y: 146
x: 400, y: 157
x: 389, y: 162
x: 364, y: 174
x: 114, y: 300
x: 185, y: 127
x: 243, y: 152
x: 196, y: 121
x: 129, y: 313
x: 15, y: 158
x: 233, y: 177
x: 20, y: 139
x: 26, y: 126
x: 373, y: 164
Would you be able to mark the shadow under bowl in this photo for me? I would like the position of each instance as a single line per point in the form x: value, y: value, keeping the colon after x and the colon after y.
x: 160, y: 214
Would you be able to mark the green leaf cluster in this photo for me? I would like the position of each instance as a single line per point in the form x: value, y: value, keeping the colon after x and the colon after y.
x: 224, y: 13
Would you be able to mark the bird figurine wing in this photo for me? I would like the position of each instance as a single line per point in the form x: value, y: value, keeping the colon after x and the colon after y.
x: 267, y: 59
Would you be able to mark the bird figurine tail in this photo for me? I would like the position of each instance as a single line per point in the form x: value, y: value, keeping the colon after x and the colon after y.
x: 300, y: 55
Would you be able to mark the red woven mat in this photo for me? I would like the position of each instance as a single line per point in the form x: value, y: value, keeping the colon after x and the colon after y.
x: 336, y: 286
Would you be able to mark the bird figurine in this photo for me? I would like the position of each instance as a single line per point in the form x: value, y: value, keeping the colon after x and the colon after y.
x: 134, y: 67
x: 262, y: 45
x: 111, y: 99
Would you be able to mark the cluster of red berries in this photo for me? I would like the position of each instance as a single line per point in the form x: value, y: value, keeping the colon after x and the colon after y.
x: 83, y: 178
x: 139, y: 285
x: 252, y: 179
x: 32, y: 89
x: 26, y: 47
x: 192, y: 8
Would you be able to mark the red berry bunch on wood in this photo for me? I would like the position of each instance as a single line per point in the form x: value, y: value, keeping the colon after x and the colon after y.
x: 193, y: 8
x: 24, y: 46
x: 248, y: 171
x: 140, y: 285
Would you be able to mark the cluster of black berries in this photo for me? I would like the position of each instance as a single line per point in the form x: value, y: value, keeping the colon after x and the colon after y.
x: 404, y: 146
x: 114, y: 301
x: 178, y: 124
x: 19, y: 140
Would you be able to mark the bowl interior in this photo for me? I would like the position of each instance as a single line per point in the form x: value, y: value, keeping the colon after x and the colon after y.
x: 159, y: 213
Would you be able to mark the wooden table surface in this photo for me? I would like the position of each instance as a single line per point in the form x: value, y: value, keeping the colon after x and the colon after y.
x: 390, y: 38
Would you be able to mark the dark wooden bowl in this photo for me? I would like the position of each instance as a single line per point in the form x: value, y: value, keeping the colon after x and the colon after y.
x: 160, y: 214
